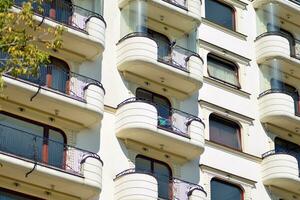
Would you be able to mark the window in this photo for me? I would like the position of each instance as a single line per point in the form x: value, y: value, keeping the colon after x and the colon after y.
x: 223, y: 70
x: 224, y: 132
x: 161, y: 171
x: 32, y: 140
x: 286, y: 147
x: 162, y: 104
x: 12, y: 195
x: 221, y: 190
x: 163, y: 43
x: 280, y: 86
x: 220, y: 13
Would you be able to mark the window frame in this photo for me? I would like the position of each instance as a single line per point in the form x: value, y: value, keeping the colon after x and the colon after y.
x: 46, y: 128
x: 227, y: 63
x: 242, y: 191
x: 233, y: 15
x: 230, y: 123
x: 20, y: 194
x: 152, y: 161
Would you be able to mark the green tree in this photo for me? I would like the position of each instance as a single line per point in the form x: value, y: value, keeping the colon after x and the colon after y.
x: 21, y: 35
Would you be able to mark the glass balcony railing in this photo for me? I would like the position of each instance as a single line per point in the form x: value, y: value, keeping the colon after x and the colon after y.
x: 169, y: 188
x: 170, y: 119
x: 64, y: 12
x: 44, y: 151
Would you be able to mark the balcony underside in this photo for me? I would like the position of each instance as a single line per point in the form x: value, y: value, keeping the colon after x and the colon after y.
x: 281, y: 171
x: 47, y: 178
x: 170, y: 14
x: 56, y: 104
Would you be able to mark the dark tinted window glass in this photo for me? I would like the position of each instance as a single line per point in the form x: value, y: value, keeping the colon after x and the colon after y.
x: 9, y: 195
x: 224, y: 132
x: 223, y: 191
x: 286, y: 147
x: 162, y: 104
x: 219, y: 13
x: 160, y: 170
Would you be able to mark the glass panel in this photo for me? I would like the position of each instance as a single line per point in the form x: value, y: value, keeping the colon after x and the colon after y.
x: 163, y: 177
x: 163, y: 44
x: 223, y: 191
x: 21, y: 138
x: 222, y: 71
x: 143, y: 165
x: 56, y: 149
x: 224, y: 133
x: 163, y: 109
x: 144, y: 95
x: 219, y: 13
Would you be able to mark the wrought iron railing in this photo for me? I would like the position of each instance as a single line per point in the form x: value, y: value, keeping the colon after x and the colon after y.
x: 30, y: 146
x: 64, y: 12
x: 169, y: 118
x: 294, y: 43
x: 171, y: 54
x: 294, y: 95
x: 179, y: 3
x: 169, y: 188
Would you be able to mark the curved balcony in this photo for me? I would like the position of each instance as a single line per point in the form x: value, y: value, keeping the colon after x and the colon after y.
x: 280, y: 170
x: 24, y: 157
x: 181, y: 133
x: 275, y: 45
x: 85, y: 27
x: 170, y: 12
x: 133, y: 184
x: 288, y: 10
x: 279, y: 108
x: 61, y: 93
x: 139, y: 60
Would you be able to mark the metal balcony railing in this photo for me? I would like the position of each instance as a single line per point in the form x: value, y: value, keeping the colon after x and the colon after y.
x: 294, y: 95
x: 170, y: 54
x: 170, y: 119
x: 64, y: 12
x: 32, y: 147
x: 179, y: 3
x: 169, y: 188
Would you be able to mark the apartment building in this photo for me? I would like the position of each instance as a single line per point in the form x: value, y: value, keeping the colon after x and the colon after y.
x: 158, y: 99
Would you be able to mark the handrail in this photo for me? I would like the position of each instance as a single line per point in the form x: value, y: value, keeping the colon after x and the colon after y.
x: 178, y: 126
x: 175, y: 182
x: 178, y: 56
x: 20, y: 143
x: 66, y: 13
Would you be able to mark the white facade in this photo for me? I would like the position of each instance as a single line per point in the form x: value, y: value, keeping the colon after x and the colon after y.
x: 105, y: 129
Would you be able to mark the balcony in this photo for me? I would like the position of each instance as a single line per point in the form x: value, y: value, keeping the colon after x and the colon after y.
x: 140, y: 60
x: 58, y: 92
x: 133, y: 184
x: 35, y: 160
x: 85, y: 27
x: 280, y: 108
x: 140, y: 121
x: 169, y: 12
x: 276, y: 45
x: 288, y: 10
x: 281, y: 170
